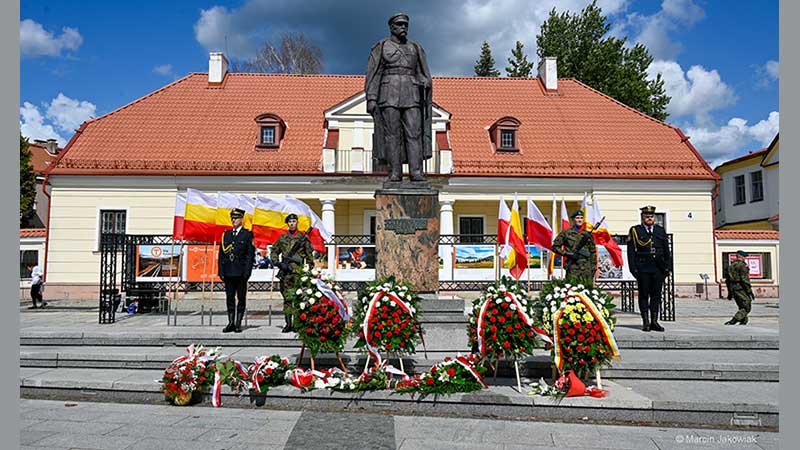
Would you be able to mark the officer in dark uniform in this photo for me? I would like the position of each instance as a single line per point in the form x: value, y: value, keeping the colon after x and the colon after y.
x: 650, y: 262
x: 295, y: 250
x: 235, y: 262
x: 739, y: 288
x: 577, y: 245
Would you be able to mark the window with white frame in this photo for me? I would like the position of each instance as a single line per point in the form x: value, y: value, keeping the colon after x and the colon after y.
x: 268, y: 135
x: 739, y: 190
x: 112, y: 221
x: 28, y: 259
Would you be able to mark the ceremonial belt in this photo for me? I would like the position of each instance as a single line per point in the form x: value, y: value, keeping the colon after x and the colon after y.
x: 399, y: 71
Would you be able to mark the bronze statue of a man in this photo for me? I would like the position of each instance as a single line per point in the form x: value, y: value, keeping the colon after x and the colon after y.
x: 398, y: 88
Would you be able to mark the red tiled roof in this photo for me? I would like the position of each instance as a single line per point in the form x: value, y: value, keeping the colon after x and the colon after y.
x: 747, y: 234
x: 32, y: 232
x: 189, y: 127
x: 40, y: 157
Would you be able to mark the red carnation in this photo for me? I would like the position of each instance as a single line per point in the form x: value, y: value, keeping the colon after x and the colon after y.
x: 509, y: 314
x: 493, y: 329
x: 578, y: 325
x: 521, y: 334
x: 494, y: 337
x: 303, y: 316
x: 495, y: 312
x: 429, y: 381
x: 569, y: 359
x: 571, y: 332
x: 502, y: 319
x: 322, y: 338
x: 268, y: 371
x: 506, y: 344
x: 568, y: 339
x: 530, y: 333
x: 402, y: 343
x: 581, y: 362
x: 309, y: 330
x: 451, y: 371
x: 581, y: 338
x: 377, y: 334
x: 433, y: 370
x: 590, y: 340
x: 517, y: 325
x: 509, y: 329
x: 493, y: 319
x: 388, y: 334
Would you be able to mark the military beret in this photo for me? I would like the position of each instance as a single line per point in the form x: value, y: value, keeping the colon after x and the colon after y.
x: 576, y: 213
x: 237, y: 212
x: 742, y: 253
x: 649, y: 209
x: 398, y: 16
x: 291, y: 216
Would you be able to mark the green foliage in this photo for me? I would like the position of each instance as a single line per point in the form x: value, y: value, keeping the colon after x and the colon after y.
x: 447, y: 377
x: 585, y: 52
x: 519, y: 65
x: 27, y: 179
x: 484, y: 67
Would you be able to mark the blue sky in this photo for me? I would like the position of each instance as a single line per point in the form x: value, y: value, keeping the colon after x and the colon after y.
x: 84, y: 59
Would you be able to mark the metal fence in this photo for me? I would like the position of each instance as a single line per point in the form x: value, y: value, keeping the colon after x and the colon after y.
x: 118, y: 273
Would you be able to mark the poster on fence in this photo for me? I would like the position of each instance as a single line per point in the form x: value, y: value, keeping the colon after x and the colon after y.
x: 357, y: 257
x: 157, y: 262
x: 200, y: 263
x: 534, y: 257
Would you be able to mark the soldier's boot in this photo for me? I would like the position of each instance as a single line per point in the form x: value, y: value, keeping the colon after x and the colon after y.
x: 654, y: 326
x: 645, y: 322
x: 733, y: 321
x: 288, y: 328
x: 231, y: 319
x: 744, y: 321
x: 237, y: 328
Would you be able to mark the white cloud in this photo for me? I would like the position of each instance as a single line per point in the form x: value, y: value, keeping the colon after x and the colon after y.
x: 68, y: 114
x: 654, y: 30
x: 697, y: 91
x: 34, y: 40
x: 61, y: 113
x: 164, y: 69
x: 33, y: 127
x: 772, y: 69
x: 718, y: 144
x: 767, y: 73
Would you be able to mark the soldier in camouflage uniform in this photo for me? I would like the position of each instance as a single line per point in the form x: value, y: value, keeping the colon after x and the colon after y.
x: 581, y: 263
x: 295, y: 250
x: 738, y: 281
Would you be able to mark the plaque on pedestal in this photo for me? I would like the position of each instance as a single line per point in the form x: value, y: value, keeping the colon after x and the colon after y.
x: 407, y: 235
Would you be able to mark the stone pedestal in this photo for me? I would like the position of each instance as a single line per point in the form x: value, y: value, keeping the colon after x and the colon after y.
x: 407, y: 235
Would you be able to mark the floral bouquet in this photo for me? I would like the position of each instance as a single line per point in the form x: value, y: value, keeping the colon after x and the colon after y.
x: 321, y: 314
x: 266, y: 372
x: 567, y: 385
x: 453, y: 375
x: 386, y: 314
x: 580, y: 318
x: 335, y: 379
x: 193, y: 372
x: 501, y: 323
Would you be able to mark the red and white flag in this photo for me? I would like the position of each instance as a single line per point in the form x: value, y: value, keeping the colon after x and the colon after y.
x: 564, y: 216
x: 177, y: 220
x: 538, y: 230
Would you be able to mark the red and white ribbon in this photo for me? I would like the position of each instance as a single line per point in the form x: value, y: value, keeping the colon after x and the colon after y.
x: 216, y: 401
x: 366, y: 325
x: 333, y: 296
x: 465, y: 364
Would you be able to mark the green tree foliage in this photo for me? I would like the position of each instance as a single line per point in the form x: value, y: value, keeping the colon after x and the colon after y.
x: 519, y: 65
x: 585, y: 52
x: 485, y: 64
x: 27, y: 179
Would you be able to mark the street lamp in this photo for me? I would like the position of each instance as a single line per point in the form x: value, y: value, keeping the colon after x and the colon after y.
x: 704, y: 277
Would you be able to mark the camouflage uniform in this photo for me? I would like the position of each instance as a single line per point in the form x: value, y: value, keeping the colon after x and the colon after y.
x: 584, y: 266
x: 738, y: 281
x: 303, y: 252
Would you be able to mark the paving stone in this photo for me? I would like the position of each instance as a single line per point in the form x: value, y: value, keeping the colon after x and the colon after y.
x: 85, y: 441
x: 366, y: 431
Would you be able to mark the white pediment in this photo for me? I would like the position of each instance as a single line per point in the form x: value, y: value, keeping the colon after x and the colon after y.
x: 355, y: 108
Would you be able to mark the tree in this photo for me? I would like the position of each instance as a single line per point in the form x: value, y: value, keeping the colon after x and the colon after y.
x: 294, y: 54
x: 27, y: 179
x: 520, y: 67
x: 583, y: 50
x: 484, y: 67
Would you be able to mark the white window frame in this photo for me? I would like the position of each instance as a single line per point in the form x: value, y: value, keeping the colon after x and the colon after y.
x: 274, y: 132
x: 98, y: 225
x: 368, y: 213
x: 753, y: 199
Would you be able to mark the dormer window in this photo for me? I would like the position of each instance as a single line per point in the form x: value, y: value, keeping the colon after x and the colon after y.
x: 271, y: 130
x: 503, y: 134
x: 268, y: 136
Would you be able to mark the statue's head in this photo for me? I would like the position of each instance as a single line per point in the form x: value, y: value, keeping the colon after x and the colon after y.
x: 398, y: 25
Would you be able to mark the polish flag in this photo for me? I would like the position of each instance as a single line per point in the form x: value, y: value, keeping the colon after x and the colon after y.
x: 538, y: 230
x: 177, y: 220
x: 564, y: 216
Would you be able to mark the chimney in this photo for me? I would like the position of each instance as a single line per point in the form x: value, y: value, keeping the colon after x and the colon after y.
x: 217, y: 68
x: 52, y: 146
x: 548, y: 73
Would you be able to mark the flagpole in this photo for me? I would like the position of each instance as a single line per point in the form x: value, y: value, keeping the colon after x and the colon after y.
x: 175, y: 291
x: 172, y: 286
x: 213, y: 272
x: 550, y: 255
x: 203, y: 282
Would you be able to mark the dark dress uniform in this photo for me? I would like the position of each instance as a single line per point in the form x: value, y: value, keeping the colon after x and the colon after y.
x: 295, y: 249
x: 235, y: 261
x: 738, y: 280
x: 650, y: 262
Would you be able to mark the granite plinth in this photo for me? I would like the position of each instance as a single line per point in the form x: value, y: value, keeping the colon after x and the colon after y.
x: 407, y: 236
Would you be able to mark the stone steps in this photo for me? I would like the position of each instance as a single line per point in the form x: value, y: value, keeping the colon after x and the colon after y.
x: 662, y: 403
x: 634, y: 364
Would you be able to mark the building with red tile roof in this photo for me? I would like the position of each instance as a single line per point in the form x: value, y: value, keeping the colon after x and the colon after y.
x: 309, y: 136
